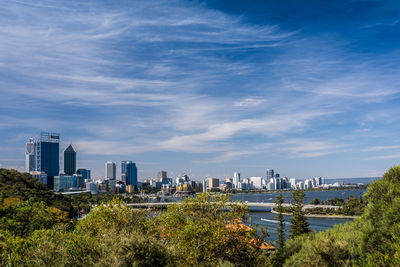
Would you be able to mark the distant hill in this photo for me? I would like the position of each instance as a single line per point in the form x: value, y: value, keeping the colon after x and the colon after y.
x: 24, y: 186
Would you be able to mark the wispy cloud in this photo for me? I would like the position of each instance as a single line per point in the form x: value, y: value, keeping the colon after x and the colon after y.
x: 125, y: 78
x: 301, y: 148
x: 381, y: 148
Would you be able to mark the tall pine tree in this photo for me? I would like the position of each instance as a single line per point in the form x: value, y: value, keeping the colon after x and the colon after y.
x: 279, y: 254
x: 299, y: 224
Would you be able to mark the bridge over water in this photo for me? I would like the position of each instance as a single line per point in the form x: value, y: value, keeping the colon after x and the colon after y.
x: 253, y: 206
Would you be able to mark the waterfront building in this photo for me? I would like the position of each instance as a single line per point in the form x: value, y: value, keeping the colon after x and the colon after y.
x: 69, y: 160
x: 47, y: 156
x: 236, y: 180
x: 256, y: 182
x: 30, y: 157
x: 131, y: 175
x: 318, y: 180
x: 244, y: 185
x: 270, y: 186
x: 110, y: 170
x: 179, y: 180
x: 292, y: 182
x: 86, y: 174
x: 270, y: 175
x: 300, y: 185
x: 212, y: 183
x: 161, y: 175
x: 308, y: 184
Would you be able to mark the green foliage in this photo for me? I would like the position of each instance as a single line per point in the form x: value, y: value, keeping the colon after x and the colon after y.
x: 334, y: 247
x: 371, y: 240
x: 22, y: 218
x: 203, y: 231
x: 382, y: 217
x: 24, y: 186
x: 113, y: 234
x: 299, y: 224
x: 316, y: 201
x: 334, y: 202
x: 278, y: 256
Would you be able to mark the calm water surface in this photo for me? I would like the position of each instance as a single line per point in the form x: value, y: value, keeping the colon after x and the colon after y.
x: 268, y: 219
x: 322, y: 195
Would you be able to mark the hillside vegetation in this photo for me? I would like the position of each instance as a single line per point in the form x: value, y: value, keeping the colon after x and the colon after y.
x: 25, y: 187
x: 202, y: 231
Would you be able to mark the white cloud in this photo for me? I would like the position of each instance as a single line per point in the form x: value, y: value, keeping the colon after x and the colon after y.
x: 380, y: 148
x: 249, y: 102
x: 303, y: 148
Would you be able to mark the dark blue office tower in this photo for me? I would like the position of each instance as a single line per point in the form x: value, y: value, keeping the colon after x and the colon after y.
x: 47, y: 156
x: 131, y: 174
x: 85, y: 173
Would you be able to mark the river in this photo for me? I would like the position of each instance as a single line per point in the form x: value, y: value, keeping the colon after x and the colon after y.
x: 268, y: 218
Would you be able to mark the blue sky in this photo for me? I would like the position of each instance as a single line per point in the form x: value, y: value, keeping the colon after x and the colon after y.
x: 207, y: 87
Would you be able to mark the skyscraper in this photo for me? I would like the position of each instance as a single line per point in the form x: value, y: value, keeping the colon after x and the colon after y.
x: 236, y: 180
x: 47, y: 156
x: 131, y: 174
x: 270, y: 175
x: 161, y: 175
x: 123, y: 171
x: 69, y: 160
x: 111, y: 171
x: 30, y: 157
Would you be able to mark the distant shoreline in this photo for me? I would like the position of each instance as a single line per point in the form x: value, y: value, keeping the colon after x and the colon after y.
x: 347, y: 188
x: 322, y: 216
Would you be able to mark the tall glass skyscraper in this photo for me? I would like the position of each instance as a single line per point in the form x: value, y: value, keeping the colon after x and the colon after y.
x: 30, y: 157
x: 270, y: 175
x: 47, y: 156
x: 131, y: 174
x: 123, y: 171
x: 69, y: 160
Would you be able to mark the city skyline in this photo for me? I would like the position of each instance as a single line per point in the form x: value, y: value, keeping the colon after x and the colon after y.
x: 206, y: 87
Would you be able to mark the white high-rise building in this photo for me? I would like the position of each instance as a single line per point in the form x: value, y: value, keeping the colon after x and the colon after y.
x: 236, y: 180
x: 292, y: 182
x: 256, y: 182
x: 110, y: 170
x: 30, y: 159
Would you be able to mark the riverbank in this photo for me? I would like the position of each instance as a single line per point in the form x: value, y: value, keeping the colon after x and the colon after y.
x: 334, y: 216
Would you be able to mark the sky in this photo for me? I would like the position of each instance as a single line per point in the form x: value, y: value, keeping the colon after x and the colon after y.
x: 307, y: 88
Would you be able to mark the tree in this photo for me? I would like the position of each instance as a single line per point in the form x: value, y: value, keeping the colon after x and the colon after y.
x: 315, y: 201
x: 279, y: 254
x: 206, y: 229
x: 299, y: 224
